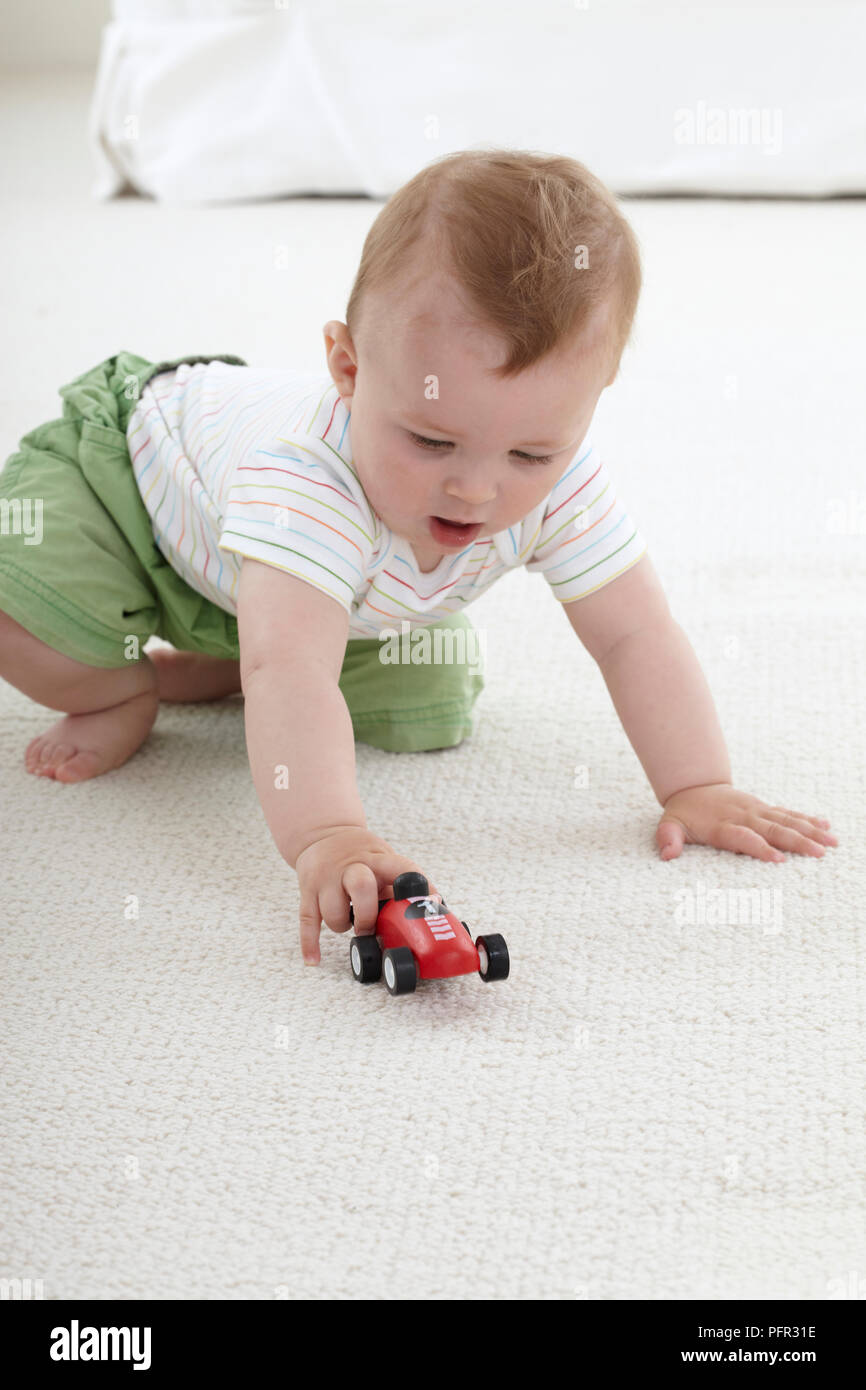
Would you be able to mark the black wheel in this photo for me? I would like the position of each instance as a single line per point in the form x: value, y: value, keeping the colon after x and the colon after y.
x: 411, y: 885
x: 463, y: 924
x: 493, y: 955
x: 365, y: 958
x: 398, y: 965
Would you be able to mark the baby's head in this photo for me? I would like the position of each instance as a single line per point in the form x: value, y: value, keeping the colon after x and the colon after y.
x: 494, y: 298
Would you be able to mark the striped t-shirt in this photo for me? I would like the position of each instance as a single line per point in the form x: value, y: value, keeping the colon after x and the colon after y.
x: 233, y: 461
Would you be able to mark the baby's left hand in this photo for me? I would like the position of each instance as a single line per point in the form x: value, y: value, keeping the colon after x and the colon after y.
x: 718, y: 815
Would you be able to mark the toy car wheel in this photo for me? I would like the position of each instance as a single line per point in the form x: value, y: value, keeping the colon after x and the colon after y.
x: 398, y: 965
x: 463, y: 924
x: 365, y: 956
x: 493, y: 957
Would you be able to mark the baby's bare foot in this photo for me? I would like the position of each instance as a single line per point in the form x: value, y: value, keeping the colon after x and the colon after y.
x: 79, y: 746
x: 188, y: 676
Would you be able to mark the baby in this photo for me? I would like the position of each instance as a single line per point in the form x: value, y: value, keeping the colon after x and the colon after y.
x: 275, y: 526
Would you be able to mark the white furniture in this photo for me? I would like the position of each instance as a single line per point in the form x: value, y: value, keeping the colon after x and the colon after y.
x: 238, y: 99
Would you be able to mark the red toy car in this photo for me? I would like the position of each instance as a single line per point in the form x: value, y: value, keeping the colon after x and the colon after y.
x: 418, y: 938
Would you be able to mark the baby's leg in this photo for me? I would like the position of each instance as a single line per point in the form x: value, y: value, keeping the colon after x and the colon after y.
x: 109, y: 712
x: 184, y: 677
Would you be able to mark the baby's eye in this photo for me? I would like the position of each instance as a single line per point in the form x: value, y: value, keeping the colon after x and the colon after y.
x: 425, y: 443
x: 534, y: 458
x: 428, y: 443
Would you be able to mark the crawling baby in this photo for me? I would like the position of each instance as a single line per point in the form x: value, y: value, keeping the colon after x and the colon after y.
x: 279, y: 529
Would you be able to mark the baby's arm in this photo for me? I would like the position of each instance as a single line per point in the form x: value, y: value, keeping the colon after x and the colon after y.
x: 292, y: 644
x: 656, y: 684
x: 301, y: 747
x: 664, y: 703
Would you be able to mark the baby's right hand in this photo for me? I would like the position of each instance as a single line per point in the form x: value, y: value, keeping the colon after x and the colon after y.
x: 346, y: 863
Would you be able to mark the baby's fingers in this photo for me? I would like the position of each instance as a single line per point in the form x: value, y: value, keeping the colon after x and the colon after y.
x: 816, y: 827
x: 786, y: 837
x: 742, y: 840
x: 362, y: 887
x: 311, y: 922
x: 334, y: 896
x: 670, y: 838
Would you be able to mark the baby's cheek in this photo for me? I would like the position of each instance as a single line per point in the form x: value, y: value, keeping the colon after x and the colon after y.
x: 401, y: 492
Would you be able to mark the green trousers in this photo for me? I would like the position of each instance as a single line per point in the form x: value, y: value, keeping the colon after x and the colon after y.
x: 80, y: 569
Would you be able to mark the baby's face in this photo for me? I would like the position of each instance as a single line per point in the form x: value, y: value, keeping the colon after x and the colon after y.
x: 434, y: 434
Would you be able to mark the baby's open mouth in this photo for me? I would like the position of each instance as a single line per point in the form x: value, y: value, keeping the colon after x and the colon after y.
x: 456, y: 533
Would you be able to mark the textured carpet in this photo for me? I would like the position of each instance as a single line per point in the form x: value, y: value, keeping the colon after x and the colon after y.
x: 665, y: 1100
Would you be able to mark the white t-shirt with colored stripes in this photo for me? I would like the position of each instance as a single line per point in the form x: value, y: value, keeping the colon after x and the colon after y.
x: 233, y: 461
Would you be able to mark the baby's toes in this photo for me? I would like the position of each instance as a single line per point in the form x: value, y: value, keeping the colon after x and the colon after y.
x: 39, y: 755
x: 82, y: 764
x: 52, y: 757
x: 33, y: 752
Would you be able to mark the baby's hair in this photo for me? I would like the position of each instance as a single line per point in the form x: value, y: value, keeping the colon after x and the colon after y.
x: 510, y: 225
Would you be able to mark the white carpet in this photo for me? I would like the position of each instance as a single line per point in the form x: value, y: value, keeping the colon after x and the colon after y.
x: 647, y: 1108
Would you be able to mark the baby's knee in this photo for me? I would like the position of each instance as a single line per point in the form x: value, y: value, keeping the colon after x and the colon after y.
x: 61, y: 682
